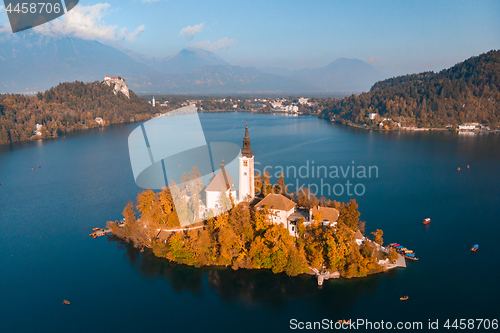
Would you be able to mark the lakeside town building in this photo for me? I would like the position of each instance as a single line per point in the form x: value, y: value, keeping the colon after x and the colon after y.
x: 38, y: 129
x: 469, y: 126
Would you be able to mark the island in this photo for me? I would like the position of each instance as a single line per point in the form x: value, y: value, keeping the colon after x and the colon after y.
x: 260, y: 226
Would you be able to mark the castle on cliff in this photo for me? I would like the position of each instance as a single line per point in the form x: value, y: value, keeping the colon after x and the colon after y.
x: 118, y: 83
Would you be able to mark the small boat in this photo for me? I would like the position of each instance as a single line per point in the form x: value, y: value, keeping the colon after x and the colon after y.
x: 404, y: 298
x: 410, y: 256
x: 467, y: 166
x: 458, y: 169
x: 95, y: 229
x: 39, y: 166
x: 427, y: 221
x: 32, y: 169
x: 66, y: 302
x: 474, y: 248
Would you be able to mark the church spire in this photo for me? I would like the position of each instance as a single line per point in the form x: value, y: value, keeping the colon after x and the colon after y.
x: 246, y: 151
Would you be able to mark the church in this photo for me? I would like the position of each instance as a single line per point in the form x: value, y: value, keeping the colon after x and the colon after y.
x: 223, y: 182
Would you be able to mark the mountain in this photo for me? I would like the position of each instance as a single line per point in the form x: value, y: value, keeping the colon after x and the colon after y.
x: 186, y: 60
x: 341, y: 75
x: 276, y: 71
x: 466, y: 92
x: 31, y: 62
x: 221, y: 80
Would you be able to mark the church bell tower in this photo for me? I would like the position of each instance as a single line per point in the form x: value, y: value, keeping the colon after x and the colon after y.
x: 246, y: 183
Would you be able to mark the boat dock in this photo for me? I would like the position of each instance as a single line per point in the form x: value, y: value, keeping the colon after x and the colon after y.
x: 322, y: 276
x: 400, y: 262
x: 99, y: 232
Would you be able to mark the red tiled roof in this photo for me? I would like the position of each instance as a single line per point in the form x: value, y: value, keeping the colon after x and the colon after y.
x: 276, y: 201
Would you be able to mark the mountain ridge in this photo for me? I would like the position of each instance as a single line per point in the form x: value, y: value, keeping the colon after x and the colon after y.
x: 31, y: 63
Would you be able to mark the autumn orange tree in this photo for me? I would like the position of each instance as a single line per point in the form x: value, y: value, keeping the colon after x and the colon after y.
x: 245, y: 237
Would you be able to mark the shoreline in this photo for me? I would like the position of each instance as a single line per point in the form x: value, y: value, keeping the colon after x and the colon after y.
x: 246, y: 236
x: 321, y: 275
x: 414, y: 129
x: 80, y: 131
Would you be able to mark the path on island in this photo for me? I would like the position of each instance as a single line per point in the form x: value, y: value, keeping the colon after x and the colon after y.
x: 181, y: 229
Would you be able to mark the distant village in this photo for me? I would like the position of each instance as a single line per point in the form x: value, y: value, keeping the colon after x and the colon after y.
x: 284, y: 105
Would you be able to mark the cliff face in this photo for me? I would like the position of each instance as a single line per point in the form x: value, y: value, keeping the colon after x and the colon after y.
x: 119, y: 85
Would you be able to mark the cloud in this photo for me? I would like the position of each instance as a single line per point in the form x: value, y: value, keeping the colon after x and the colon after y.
x: 221, y: 44
x: 149, y: 1
x: 372, y: 60
x: 124, y: 34
x: 5, y: 29
x: 189, y: 31
x: 86, y: 22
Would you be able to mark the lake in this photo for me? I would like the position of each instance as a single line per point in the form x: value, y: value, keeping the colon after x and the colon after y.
x: 85, y: 179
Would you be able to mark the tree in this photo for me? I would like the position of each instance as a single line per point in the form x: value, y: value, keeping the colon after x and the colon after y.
x: 378, y: 236
x: 349, y: 214
x: 393, y: 255
x: 224, y: 201
x: 129, y: 213
x: 258, y: 184
x: 266, y: 184
x: 281, y: 187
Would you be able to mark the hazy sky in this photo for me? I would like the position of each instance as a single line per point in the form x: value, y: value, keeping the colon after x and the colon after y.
x: 396, y: 37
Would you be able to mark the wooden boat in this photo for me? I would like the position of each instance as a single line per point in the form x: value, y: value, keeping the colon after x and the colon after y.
x: 474, y: 248
x: 467, y: 166
x: 410, y: 256
x: 39, y: 166
x: 66, y: 302
x: 458, y: 169
x: 404, y: 298
x: 32, y: 169
x: 427, y: 221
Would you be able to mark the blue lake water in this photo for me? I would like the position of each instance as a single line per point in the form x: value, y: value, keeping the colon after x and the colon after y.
x: 86, y: 179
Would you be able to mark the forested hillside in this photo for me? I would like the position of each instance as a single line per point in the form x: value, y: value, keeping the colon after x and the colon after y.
x: 466, y: 92
x: 65, y: 108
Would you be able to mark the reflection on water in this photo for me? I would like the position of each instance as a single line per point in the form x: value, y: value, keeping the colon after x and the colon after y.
x: 255, y: 287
